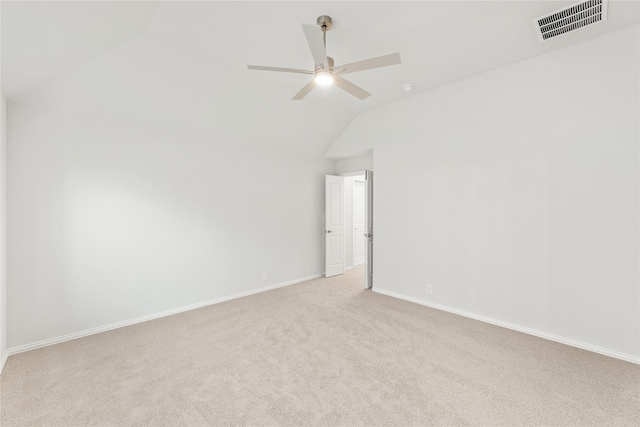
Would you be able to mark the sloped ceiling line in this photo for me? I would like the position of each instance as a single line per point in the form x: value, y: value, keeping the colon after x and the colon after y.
x: 184, y: 63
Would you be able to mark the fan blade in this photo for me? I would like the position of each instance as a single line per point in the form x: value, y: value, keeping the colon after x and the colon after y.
x: 368, y: 64
x: 316, y: 44
x: 284, y: 70
x: 354, y: 90
x: 304, y: 91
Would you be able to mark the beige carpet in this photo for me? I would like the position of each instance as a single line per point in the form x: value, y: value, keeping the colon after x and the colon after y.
x: 325, y: 352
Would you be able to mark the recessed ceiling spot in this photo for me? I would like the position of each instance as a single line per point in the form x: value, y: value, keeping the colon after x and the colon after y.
x: 407, y: 87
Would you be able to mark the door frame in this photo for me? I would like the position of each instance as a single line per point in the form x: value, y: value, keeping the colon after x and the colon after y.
x: 368, y: 247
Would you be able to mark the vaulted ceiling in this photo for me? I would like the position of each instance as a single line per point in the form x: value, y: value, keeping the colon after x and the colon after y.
x: 181, y: 65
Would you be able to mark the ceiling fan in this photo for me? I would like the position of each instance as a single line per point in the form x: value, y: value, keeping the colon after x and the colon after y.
x: 324, y: 71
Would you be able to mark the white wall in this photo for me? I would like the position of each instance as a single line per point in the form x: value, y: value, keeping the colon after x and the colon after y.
x: 524, y: 189
x: 354, y: 164
x: 108, y: 221
x: 3, y: 233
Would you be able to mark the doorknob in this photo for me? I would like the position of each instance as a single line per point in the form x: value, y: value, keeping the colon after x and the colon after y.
x: 327, y: 231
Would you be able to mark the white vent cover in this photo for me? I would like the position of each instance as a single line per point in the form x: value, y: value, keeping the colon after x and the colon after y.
x: 571, y: 18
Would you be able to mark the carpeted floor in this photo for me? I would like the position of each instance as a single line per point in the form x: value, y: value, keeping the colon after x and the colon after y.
x: 324, y: 352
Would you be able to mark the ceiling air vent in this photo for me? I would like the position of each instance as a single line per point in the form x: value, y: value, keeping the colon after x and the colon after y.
x: 571, y: 18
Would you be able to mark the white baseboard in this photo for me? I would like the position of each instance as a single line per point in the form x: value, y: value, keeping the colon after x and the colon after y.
x: 109, y: 327
x: 568, y: 341
x: 3, y: 360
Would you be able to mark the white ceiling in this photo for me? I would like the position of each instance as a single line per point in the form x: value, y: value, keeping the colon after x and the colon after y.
x: 182, y: 65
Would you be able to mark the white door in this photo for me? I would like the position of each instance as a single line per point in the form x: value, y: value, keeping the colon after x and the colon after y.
x: 369, y: 231
x: 359, y: 188
x: 334, y: 225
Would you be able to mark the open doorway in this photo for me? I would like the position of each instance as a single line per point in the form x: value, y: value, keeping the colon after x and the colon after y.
x: 349, y: 224
x: 355, y: 227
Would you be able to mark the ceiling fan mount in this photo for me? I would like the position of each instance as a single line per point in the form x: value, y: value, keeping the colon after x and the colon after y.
x: 324, y: 22
x: 324, y: 70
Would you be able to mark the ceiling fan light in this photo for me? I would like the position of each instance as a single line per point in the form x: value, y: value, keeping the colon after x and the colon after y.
x: 324, y: 78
